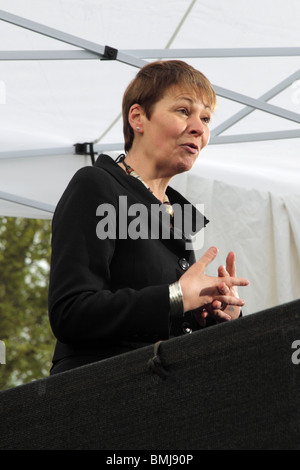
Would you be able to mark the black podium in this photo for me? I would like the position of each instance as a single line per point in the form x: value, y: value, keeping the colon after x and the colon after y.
x: 231, y: 386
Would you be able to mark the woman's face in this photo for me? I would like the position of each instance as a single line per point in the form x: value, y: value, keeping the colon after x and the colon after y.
x: 177, y: 131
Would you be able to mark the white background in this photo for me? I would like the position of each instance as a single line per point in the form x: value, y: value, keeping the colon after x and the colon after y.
x: 250, y: 190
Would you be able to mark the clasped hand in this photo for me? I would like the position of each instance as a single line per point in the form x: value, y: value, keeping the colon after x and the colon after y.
x: 216, y: 297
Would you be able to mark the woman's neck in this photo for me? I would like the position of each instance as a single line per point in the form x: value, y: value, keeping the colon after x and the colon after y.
x: 148, y: 173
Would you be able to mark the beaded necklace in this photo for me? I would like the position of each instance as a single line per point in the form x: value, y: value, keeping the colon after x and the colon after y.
x: 130, y: 171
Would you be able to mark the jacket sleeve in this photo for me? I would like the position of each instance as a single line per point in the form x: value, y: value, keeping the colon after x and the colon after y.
x: 82, y: 304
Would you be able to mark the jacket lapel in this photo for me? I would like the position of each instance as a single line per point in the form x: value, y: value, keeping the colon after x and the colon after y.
x: 188, y: 220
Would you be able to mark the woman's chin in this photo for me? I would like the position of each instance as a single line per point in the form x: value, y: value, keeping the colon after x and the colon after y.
x: 185, y: 164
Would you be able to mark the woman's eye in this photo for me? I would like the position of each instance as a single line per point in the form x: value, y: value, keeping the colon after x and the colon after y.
x: 206, y: 120
x: 183, y: 111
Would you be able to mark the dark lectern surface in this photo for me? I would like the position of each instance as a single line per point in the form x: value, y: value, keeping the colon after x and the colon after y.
x: 232, y: 386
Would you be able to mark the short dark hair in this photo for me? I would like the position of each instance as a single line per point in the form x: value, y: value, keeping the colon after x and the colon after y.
x: 152, y: 82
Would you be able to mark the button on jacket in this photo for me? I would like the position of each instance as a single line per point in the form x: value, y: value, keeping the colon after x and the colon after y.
x: 110, y: 295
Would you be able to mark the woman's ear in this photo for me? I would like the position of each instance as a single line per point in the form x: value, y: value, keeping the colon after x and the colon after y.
x: 135, y: 118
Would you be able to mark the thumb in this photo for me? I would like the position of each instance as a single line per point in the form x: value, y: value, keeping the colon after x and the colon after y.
x: 209, y: 256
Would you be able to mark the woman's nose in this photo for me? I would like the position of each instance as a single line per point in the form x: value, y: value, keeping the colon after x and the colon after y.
x: 197, y: 127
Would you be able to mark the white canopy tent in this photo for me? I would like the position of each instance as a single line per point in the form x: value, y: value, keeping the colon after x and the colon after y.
x: 56, y: 91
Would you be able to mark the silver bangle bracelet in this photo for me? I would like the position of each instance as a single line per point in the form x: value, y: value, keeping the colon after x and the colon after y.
x: 176, y: 299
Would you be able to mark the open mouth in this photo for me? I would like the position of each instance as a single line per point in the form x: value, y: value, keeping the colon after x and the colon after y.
x: 190, y: 147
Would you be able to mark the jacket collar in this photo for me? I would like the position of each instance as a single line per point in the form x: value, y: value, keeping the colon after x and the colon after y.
x: 194, y: 219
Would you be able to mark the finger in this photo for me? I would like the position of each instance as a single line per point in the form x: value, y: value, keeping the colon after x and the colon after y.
x: 219, y: 316
x: 201, y: 317
x: 217, y: 301
x: 236, y: 281
x: 208, y: 257
x: 230, y: 264
x: 202, y: 322
x: 217, y: 305
x: 222, y: 271
x: 228, y: 300
x: 223, y: 289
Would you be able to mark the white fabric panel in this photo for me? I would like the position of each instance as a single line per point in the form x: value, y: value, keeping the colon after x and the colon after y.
x: 262, y: 229
x: 40, y: 179
x: 265, y: 166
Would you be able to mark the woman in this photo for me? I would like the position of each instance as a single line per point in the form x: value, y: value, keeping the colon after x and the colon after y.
x: 115, y: 285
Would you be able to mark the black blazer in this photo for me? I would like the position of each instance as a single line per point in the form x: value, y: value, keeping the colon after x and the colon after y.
x: 107, y: 296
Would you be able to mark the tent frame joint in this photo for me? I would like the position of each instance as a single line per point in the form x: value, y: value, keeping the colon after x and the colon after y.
x: 86, y: 148
x: 110, y: 53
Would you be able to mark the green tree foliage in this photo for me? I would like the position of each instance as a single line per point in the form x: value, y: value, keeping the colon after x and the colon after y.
x: 24, y: 324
